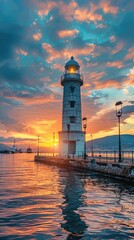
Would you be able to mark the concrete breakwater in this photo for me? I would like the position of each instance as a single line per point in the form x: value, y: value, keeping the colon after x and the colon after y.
x: 120, y: 170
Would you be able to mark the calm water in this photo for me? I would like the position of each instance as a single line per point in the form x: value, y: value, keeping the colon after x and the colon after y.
x: 39, y: 201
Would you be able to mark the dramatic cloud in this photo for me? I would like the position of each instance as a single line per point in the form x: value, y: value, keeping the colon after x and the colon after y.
x: 67, y: 33
x: 37, y: 37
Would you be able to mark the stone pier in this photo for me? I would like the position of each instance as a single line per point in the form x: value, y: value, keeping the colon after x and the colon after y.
x: 111, y: 169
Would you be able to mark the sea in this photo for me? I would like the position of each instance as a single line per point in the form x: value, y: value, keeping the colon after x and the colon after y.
x: 40, y: 201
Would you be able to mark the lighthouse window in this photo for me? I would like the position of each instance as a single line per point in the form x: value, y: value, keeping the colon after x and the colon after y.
x: 72, y: 104
x: 72, y: 119
x: 72, y: 89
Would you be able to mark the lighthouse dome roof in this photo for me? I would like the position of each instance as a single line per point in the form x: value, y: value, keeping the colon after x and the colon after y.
x: 72, y: 62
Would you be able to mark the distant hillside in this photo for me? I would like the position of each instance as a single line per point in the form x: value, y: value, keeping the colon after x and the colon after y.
x: 111, y: 142
x: 4, y: 147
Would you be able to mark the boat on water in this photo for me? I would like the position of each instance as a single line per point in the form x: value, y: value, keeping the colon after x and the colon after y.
x: 29, y: 150
x: 14, y: 148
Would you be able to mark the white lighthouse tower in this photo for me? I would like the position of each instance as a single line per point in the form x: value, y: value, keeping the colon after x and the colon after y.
x: 71, y: 138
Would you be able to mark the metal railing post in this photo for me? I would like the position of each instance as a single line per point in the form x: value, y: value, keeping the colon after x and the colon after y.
x: 114, y: 156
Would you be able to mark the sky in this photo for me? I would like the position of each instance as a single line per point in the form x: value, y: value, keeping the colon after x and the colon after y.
x: 37, y: 38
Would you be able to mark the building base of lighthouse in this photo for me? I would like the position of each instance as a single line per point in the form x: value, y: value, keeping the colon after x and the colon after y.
x: 71, y: 143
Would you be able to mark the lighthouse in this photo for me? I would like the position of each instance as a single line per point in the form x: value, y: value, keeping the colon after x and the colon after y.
x: 71, y: 138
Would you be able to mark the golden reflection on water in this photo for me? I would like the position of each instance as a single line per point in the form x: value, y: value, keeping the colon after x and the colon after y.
x: 46, y: 202
x: 108, y: 208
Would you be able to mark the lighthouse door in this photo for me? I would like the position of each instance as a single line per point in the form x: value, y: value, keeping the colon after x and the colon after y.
x: 72, y: 147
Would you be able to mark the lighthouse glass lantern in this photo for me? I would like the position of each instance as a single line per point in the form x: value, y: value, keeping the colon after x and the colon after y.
x: 71, y: 81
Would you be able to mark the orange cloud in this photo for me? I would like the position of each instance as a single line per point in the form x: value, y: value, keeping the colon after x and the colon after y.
x: 107, y: 7
x: 22, y: 52
x: 38, y: 120
x: 117, y: 64
x: 107, y: 84
x: 83, y: 14
x: 38, y: 100
x: 130, y: 54
x: 67, y: 10
x: 57, y: 66
x: 118, y: 47
x: 95, y: 76
x: 37, y: 36
x: 90, y: 14
x: 42, y: 126
x: 66, y: 53
x: 67, y: 33
x: 112, y: 38
x: 105, y: 123
x: 102, y: 123
x: 101, y: 50
x: 130, y: 80
x: 44, y: 8
x: 71, y: 10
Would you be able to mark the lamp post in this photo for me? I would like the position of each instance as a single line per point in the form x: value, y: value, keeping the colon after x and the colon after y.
x: 38, y: 146
x: 119, y: 114
x: 53, y: 142
x: 92, y: 146
x: 68, y: 129
x: 85, y: 126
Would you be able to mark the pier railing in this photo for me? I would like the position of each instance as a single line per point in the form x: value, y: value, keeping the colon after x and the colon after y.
x: 126, y: 156
x: 107, y: 156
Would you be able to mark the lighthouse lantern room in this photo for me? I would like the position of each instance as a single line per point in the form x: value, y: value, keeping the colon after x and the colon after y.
x: 71, y: 138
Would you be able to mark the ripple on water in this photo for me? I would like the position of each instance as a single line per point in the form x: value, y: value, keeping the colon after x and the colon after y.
x: 46, y: 202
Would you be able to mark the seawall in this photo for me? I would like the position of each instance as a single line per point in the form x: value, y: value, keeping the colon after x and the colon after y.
x: 111, y: 169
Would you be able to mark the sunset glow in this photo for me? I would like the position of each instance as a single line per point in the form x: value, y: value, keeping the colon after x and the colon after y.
x: 37, y: 39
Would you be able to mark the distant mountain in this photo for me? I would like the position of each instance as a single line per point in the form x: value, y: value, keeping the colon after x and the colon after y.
x: 111, y: 142
x: 4, y: 147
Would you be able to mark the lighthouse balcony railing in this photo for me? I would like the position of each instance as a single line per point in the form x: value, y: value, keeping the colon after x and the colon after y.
x: 72, y: 76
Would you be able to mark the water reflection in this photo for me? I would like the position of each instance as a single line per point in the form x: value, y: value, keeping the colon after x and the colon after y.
x: 73, y: 195
x: 39, y: 201
x: 110, y: 207
x: 95, y: 207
